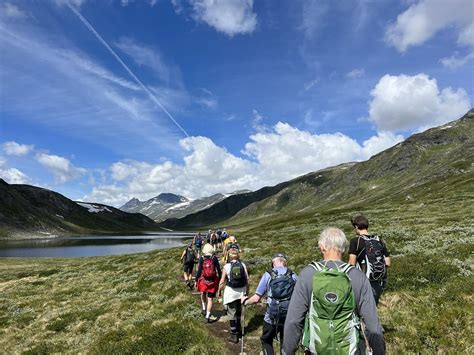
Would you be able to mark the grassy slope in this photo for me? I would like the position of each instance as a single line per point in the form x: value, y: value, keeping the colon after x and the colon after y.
x: 135, y: 303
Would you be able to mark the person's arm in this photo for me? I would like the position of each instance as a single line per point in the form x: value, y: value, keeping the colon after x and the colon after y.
x: 222, y: 281
x: 217, y: 265
x: 368, y: 312
x: 247, y: 285
x: 353, y: 251
x: 297, y: 310
x: 182, y: 255
x: 388, y: 261
x: 259, y: 292
x: 199, y: 270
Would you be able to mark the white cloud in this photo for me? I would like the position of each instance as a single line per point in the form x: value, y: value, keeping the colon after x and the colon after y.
x: 408, y: 103
x: 147, y: 56
x: 313, y: 18
x: 356, y: 73
x: 455, y: 62
x: 309, y: 85
x: 12, y: 12
x: 14, y: 176
x: 13, y: 148
x: 62, y: 169
x: 421, y: 21
x: 278, y: 154
x: 228, y: 16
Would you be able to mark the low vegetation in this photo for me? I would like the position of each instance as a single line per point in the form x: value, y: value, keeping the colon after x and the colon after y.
x: 136, y: 303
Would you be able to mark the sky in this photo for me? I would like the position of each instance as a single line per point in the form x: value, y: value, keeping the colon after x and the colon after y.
x: 107, y: 100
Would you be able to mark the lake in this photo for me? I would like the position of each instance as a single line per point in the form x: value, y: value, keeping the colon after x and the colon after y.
x: 91, y: 245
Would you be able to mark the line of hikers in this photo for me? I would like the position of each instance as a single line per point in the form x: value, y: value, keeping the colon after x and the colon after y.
x: 329, y: 308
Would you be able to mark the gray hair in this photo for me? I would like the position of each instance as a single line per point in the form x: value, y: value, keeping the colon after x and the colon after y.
x: 333, y: 238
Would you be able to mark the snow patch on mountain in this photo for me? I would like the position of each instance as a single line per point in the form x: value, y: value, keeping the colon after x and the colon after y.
x: 94, y: 208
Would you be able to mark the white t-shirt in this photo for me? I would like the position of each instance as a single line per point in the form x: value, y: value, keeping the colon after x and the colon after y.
x: 232, y: 294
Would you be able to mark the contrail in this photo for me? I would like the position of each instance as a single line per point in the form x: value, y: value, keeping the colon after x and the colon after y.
x: 106, y: 45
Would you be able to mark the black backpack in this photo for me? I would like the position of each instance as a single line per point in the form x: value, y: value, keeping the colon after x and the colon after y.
x: 237, y: 277
x: 190, y: 257
x: 375, y: 268
x: 281, y: 287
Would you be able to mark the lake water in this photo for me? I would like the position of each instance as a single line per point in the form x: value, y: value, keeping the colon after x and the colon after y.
x: 91, y: 245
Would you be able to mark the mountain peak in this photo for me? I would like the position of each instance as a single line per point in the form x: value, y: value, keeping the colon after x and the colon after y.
x: 130, y: 204
x: 170, y: 198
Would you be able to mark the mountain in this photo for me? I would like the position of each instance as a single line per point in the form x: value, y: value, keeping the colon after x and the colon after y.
x: 26, y: 208
x: 167, y: 205
x: 426, y: 165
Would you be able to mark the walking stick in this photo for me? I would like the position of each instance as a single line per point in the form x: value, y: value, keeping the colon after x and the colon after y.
x: 243, y: 330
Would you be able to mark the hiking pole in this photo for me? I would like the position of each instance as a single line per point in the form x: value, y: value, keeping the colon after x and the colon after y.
x: 242, y: 320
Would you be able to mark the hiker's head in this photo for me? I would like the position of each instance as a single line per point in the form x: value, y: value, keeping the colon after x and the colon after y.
x: 279, y: 259
x: 208, y: 250
x: 234, y: 254
x: 332, y: 240
x: 360, y: 222
x: 232, y: 238
x: 190, y: 245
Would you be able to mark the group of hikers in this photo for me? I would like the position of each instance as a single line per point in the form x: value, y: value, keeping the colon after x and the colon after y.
x: 329, y: 308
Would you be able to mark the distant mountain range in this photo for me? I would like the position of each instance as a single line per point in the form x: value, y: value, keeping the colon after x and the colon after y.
x: 29, y: 209
x: 436, y: 163
x: 168, y: 205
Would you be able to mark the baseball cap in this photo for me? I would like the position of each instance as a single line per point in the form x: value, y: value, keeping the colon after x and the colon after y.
x: 279, y: 255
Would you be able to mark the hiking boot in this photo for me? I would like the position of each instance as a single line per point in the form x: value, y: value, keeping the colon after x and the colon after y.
x: 206, y: 321
x: 233, y: 338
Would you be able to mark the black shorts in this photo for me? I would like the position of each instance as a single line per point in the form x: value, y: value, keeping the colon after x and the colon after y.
x: 214, y: 242
x: 188, y: 268
x: 210, y: 294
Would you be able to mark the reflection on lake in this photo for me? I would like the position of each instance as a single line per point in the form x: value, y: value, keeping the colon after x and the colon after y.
x: 91, y: 245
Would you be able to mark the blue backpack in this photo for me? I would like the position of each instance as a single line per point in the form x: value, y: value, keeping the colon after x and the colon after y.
x: 281, y: 287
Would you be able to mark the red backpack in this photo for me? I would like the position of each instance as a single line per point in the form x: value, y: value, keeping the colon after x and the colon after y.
x: 208, y: 269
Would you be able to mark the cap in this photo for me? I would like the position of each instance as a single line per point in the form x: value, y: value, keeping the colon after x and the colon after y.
x: 279, y: 255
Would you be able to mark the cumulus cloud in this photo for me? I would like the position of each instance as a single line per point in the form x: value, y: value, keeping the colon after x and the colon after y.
x: 422, y: 20
x: 408, y: 103
x: 14, y: 176
x: 14, y: 148
x: 277, y: 154
x: 62, y: 169
x: 231, y: 17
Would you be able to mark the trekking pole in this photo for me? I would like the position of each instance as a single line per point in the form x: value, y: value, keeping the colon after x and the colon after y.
x: 243, y: 330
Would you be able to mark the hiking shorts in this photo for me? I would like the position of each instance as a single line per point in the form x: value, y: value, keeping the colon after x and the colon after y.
x: 188, y: 268
x: 197, y: 248
x: 210, y: 294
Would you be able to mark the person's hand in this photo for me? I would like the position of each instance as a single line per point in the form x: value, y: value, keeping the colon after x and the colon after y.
x: 243, y: 299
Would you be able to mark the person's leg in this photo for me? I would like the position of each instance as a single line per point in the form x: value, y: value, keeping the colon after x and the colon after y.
x: 210, y: 299
x: 238, y: 316
x: 377, y: 290
x: 268, y: 334
x: 203, y: 303
x: 232, y: 314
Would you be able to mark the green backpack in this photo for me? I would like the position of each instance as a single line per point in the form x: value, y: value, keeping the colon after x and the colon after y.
x: 332, y: 325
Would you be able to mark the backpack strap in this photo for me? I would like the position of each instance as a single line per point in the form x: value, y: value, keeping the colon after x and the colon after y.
x: 316, y: 266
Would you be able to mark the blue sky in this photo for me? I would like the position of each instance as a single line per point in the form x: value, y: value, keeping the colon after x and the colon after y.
x: 108, y: 100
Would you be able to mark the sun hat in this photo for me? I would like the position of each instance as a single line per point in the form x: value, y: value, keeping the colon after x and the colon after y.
x: 208, y: 249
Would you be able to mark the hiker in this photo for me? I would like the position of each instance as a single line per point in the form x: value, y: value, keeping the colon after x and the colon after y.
x: 219, y: 238
x: 369, y: 253
x: 278, y: 283
x: 333, y: 309
x: 214, y: 240
x: 230, y: 243
x: 197, y: 242
x: 207, y: 276
x: 188, y: 257
x: 234, y: 281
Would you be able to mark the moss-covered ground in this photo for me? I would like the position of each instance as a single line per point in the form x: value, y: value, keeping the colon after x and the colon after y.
x: 136, y: 304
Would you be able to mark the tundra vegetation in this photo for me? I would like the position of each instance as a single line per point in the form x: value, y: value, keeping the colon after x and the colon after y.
x: 137, y: 304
